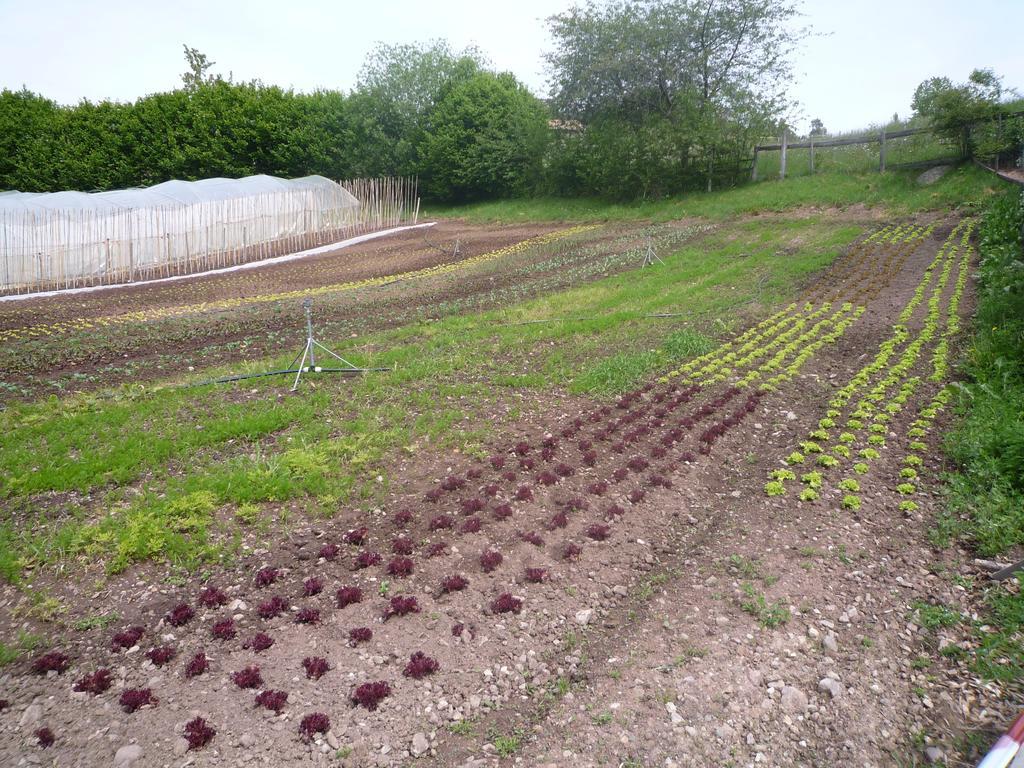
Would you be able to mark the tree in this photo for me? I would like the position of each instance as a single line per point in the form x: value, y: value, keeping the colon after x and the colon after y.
x: 818, y: 128
x: 397, y: 89
x: 486, y: 138
x: 712, y: 72
x: 198, y: 66
x: 952, y: 110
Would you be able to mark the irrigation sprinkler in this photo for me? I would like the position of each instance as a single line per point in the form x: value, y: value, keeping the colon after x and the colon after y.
x: 306, y: 359
x: 650, y: 256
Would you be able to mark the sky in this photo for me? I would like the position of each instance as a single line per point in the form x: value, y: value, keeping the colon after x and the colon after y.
x: 859, y: 68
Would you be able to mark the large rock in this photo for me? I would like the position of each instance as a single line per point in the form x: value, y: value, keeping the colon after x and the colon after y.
x: 127, y: 755
x: 793, y: 700
x: 420, y: 745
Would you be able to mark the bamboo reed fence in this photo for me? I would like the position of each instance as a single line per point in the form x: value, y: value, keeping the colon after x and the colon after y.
x: 72, y: 240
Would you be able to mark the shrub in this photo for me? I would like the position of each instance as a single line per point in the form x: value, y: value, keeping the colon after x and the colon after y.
x: 198, y: 733
x: 211, y: 597
x: 180, y: 615
x: 370, y: 695
x: 490, y: 559
x: 315, y: 667
x: 272, y: 700
x: 95, y: 683
x: 197, y: 665
x: 346, y: 596
x: 132, y: 699
x: 420, y: 665
x: 249, y: 677
x: 506, y: 603
x: 360, y: 635
x: 314, y: 723
x: 161, y: 655
x: 53, y: 661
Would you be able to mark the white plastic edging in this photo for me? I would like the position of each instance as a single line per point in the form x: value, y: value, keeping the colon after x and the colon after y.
x: 236, y: 268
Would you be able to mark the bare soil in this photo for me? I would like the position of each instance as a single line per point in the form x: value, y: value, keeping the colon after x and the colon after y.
x: 637, y: 650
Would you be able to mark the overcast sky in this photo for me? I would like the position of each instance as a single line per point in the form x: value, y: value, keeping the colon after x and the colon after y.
x: 864, y: 67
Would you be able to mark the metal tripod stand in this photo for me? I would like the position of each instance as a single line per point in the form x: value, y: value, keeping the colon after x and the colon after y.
x: 308, y: 353
x: 650, y: 256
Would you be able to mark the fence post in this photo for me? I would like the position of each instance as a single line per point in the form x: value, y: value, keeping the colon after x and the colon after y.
x: 812, y: 154
x: 881, y: 153
x: 753, y: 171
x: 782, y: 164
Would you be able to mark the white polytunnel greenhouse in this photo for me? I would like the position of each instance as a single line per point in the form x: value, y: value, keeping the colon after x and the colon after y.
x: 52, y: 241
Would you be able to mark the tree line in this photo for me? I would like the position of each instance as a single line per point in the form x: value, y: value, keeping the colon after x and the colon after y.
x: 648, y: 98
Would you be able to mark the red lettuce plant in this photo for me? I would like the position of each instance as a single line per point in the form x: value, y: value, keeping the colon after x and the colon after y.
x: 356, y: 536
x: 349, y: 595
x: 249, y: 677
x: 614, y: 511
x: 547, y: 453
x: 497, y: 462
x: 521, y: 448
x: 197, y: 665
x: 402, y: 546
x: 315, y: 667
x: 370, y: 695
x: 575, y: 504
x: 307, y: 615
x: 400, y: 567
x: 508, y: 476
x: 94, y: 683
x: 161, y: 655
x: 471, y: 505
x: 558, y: 520
x: 360, y: 635
x: 599, y: 532
x: 619, y: 447
x: 441, y: 522
x: 590, y: 458
x: 532, y: 537
x: 546, y: 478
x: 502, y: 512
x: 454, y: 583
x: 401, y: 605
x: 366, y: 558
x: 224, y: 629
x: 436, y: 549
x: 260, y: 642
x: 266, y: 576
x: 45, y: 737
x: 524, y: 493
x: 584, y: 445
x: 571, y: 551
x: 535, y: 575
x: 506, y: 603
x: 471, y: 525
x: 527, y: 464
x: 402, y: 518
x: 134, y: 698
x: 180, y: 615
x: 549, y: 441
x: 599, y: 488
x: 420, y: 665
x: 688, y: 456
x: 329, y: 551
x: 272, y: 700
x: 198, y: 733
x: 4, y: 704
x: 314, y: 723
x: 490, y: 559
x: 564, y: 470
x: 491, y: 490
x: 433, y: 495
x: 457, y: 629
x: 53, y: 661
x: 312, y: 586
x: 656, y: 480
x: 620, y: 474
x: 658, y: 452
x: 453, y: 483
x: 638, y: 464
x: 212, y: 597
x: 474, y: 473
x: 272, y: 608
x: 637, y: 495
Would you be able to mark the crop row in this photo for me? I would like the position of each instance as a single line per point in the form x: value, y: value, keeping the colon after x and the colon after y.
x: 872, y: 414
x: 160, y: 313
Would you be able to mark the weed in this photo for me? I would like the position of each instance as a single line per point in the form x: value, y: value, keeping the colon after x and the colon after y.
x: 768, y: 616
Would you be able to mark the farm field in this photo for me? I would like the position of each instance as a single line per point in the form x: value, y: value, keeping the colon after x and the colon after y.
x: 595, y: 514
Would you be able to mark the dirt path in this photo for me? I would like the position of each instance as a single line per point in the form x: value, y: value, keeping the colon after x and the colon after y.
x: 649, y: 604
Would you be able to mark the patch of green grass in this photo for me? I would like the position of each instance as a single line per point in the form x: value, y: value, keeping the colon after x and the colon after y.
x: 768, y: 615
x: 935, y: 616
x: 96, y: 622
x: 462, y: 728
x: 508, y: 744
